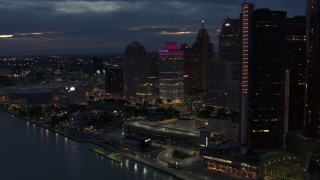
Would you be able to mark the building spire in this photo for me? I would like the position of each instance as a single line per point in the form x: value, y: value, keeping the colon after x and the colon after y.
x: 202, y: 24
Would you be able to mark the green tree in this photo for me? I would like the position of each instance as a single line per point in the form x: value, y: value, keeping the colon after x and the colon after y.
x: 38, y: 113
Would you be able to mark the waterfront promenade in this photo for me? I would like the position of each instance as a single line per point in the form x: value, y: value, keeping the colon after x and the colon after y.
x: 100, y: 143
x: 183, y: 173
x: 28, y: 151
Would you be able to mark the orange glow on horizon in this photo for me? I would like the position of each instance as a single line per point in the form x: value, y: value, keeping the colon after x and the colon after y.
x: 32, y: 33
x: 6, y: 36
x: 175, y: 33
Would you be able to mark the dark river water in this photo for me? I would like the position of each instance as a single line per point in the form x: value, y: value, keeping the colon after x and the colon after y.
x: 31, y: 152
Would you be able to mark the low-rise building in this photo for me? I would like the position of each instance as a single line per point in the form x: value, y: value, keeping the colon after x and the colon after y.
x: 128, y: 143
x: 169, y: 134
x: 223, y: 126
x: 223, y: 158
x: 164, y: 133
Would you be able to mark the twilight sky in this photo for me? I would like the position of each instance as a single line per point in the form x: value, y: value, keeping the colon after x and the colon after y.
x: 107, y: 26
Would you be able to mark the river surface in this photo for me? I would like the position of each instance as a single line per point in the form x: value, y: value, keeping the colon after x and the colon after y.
x: 31, y: 152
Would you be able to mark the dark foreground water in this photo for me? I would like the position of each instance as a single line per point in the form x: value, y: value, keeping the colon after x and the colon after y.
x: 31, y: 152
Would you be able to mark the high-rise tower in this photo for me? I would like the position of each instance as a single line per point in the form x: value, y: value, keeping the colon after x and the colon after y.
x: 192, y: 70
x: 230, y: 53
x: 246, y: 58
x: 264, y: 79
x: 312, y: 99
x: 196, y: 59
x: 171, y: 71
x: 113, y: 79
x: 296, y: 40
x: 205, y: 48
x: 134, y: 70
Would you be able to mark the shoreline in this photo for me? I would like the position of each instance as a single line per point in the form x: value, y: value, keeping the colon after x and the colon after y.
x: 100, y: 143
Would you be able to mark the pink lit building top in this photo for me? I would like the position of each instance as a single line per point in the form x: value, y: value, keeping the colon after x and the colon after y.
x: 171, y: 50
x: 171, y: 45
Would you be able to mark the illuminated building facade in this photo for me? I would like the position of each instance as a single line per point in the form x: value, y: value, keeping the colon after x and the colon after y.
x: 230, y: 52
x: 246, y: 57
x: 296, y: 39
x: 264, y: 79
x: 171, y: 72
x: 228, y: 165
x: 134, y: 70
x: 312, y: 100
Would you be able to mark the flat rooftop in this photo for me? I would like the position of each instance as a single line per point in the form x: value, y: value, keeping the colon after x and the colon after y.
x: 164, y: 128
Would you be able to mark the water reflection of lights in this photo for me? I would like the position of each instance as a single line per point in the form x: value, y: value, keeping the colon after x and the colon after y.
x: 145, y: 171
x: 154, y: 175
x: 135, y: 167
x: 127, y: 163
x: 57, y: 139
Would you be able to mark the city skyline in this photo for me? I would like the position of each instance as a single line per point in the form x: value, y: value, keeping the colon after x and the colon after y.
x: 73, y: 27
x: 196, y: 90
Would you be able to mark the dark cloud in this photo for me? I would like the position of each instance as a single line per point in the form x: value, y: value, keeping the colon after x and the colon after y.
x: 93, y: 26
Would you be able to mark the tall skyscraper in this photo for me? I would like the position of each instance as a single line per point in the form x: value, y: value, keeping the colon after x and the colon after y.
x: 192, y: 70
x: 246, y: 58
x: 171, y: 72
x: 206, y: 50
x: 134, y: 70
x: 216, y: 83
x: 153, y: 65
x: 197, y: 57
x: 296, y: 39
x: 230, y: 53
x: 312, y: 99
x: 264, y: 78
x: 113, y: 80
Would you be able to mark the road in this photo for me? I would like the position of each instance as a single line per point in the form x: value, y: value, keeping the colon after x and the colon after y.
x: 191, y: 165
